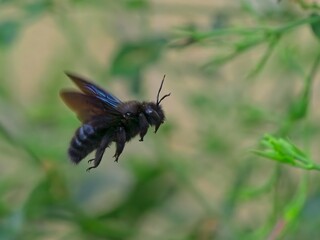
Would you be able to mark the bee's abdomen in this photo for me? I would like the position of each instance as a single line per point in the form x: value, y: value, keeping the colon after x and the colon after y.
x: 83, y: 143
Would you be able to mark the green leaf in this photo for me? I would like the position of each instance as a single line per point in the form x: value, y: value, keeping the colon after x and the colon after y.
x: 131, y: 57
x: 299, y: 109
x: 315, y: 26
x: 142, y: 197
x: 281, y: 150
x: 2, y: 2
x: 38, y: 7
x: 9, y: 31
x: 137, y: 4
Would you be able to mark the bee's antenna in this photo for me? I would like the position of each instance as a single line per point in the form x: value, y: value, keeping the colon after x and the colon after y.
x: 167, y: 95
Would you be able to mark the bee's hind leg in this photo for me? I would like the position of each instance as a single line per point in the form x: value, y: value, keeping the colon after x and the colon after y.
x: 106, y: 140
x: 120, y: 139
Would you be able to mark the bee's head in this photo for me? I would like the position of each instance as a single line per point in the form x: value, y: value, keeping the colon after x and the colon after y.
x: 153, y: 111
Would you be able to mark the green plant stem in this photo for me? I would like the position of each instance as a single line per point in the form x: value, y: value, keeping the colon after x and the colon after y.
x: 258, y: 68
x: 291, y: 212
x: 20, y: 144
x: 311, y: 76
x: 266, y: 31
x: 196, y: 193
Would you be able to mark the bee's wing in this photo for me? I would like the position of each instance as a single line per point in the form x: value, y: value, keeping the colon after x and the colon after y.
x: 86, y: 107
x: 93, y: 90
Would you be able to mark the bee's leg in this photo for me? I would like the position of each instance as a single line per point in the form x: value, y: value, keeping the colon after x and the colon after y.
x: 120, y: 142
x: 106, y: 140
x: 143, y: 125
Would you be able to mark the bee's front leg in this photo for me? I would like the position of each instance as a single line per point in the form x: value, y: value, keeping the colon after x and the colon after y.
x: 143, y: 126
x: 106, y: 140
x: 120, y: 139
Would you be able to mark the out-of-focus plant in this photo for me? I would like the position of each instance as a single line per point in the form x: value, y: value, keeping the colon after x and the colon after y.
x: 166, y: 177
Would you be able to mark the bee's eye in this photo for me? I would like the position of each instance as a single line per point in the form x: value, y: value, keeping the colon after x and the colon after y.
x: 128, y: 114
x: 149, y: 111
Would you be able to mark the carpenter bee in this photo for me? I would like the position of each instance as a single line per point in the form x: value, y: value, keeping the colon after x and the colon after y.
x: 106, y: 119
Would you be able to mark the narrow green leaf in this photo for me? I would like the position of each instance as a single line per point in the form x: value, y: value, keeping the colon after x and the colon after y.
x: 281, y: 150
x: 315, y: 26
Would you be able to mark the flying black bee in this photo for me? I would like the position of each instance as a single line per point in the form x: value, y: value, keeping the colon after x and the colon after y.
x: 106, y: 119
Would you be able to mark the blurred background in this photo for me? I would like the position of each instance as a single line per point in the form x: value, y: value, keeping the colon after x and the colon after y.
x: 236, y: 70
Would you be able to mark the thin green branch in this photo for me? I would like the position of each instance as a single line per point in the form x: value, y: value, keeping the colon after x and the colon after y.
x: 264, y: 31
x: 263, y: 60
x: 20, y: 144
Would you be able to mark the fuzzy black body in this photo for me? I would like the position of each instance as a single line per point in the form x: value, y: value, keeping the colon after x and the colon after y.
x: 87, y: 138
x: 106, y: 119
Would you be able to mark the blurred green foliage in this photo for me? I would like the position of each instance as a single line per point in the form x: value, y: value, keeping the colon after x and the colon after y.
x: 236, y: 72
x: 8, y: 32
x: 132, y: 59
